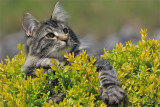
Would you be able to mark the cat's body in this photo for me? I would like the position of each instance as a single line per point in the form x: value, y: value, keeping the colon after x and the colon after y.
x: 50, y: 39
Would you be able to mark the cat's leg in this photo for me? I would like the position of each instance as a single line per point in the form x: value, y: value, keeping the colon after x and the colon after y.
x: 58, y: 97
x: 33, y: 62
x: 46, y: 63
x: 111, y: 92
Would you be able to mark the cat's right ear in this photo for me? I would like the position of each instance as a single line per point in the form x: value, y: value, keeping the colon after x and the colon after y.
x: 29, y: 23
x: 59, y: 14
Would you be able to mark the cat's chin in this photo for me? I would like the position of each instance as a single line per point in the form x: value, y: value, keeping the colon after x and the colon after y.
x: 59, y: 51
x: 60, y: 48
x: 58, y: 54
x: 61, y: 45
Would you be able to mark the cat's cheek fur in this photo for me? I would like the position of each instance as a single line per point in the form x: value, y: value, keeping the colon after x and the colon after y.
x: 30, y: 60
x: 70, y: 43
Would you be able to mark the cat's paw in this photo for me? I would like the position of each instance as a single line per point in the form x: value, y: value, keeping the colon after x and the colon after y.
x: 112, y: 95
x: 58, y: 97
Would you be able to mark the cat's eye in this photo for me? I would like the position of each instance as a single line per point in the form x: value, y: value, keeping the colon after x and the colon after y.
x: 50, y: 35
x: 65, y: 30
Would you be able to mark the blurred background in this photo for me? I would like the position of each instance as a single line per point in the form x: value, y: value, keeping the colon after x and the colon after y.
x: 97, y: 22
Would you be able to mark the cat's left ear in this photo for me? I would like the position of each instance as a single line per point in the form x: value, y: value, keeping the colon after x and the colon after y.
x: 59, y: 14
x: 29, y: 23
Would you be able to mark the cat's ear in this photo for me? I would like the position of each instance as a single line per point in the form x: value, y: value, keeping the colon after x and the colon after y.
x: 29, y: 23
x: 59, y: 14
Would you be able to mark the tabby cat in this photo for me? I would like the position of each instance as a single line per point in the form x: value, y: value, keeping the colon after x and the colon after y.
x: 50, y: 39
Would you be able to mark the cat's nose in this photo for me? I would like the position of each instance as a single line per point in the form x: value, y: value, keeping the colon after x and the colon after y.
x: 64, y: 38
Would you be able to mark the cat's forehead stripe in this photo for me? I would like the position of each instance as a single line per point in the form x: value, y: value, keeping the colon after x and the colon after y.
x: 51, y: 23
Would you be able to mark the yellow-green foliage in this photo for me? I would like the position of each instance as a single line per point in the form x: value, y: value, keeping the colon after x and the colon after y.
x: 138, y: 68
x: 15, y: 90
x: 79, y: 81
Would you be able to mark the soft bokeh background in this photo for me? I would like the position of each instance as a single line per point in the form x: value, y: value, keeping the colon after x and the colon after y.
x: 92, y: 20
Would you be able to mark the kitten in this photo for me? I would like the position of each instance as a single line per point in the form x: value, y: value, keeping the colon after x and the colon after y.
x: 50, y: 39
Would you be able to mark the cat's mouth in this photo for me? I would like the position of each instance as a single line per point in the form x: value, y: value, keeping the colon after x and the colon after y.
x: 60, y: 44
x: 63, y: 45
x: 59, y: 49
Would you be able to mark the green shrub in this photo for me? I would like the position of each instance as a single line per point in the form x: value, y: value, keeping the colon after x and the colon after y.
x: 79, y: 81
x: 15, y: 90
x: 138, y: 68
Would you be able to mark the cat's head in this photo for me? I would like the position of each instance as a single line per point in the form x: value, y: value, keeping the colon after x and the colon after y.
x: 51, y: 38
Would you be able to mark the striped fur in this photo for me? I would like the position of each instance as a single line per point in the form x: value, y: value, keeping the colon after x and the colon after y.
x: 111, y: 92
x: 40, y: 50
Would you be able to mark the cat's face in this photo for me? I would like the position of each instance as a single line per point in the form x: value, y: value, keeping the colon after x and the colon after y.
x: 51, y: 38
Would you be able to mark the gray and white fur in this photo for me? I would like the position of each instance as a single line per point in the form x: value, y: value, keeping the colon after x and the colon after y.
x: 50, y: 39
